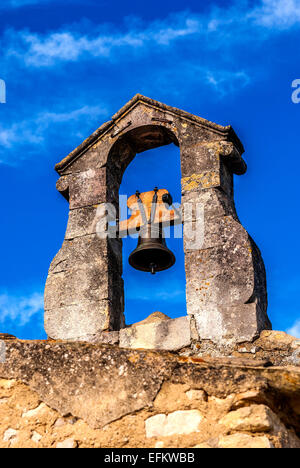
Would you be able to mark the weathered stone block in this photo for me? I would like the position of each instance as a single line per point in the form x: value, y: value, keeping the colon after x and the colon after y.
x: 230, y: 324
x: 78, y: 285
x: 221, y: 179
x: 35, y: 413
x: 92, y: 157
x: 85, y: 274
x: 87, y: 250
x: 67, y: 444
x: 225, y: 293
x: 244, y: 441
x: 202, y: 180
x: 155, y: 317
x: 195, y: 395
x: 36, y: 437
x: 88, y: 188
x: 170, y: 335
x: 215, y: 233
x: 203, y: 152
x: 177, y: 423
x: 78, y: 322
x: 198, y: 153
x: 82, y: 222
x: 10, y: 435
x: 215, y: 203
x: 63, y: 186
x: 254, y: 418
x: 111, y: 338
x: 273, y: 339
x: 216, y: 277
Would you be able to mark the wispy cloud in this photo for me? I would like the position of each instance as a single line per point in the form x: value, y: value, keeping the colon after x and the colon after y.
x: 277, y: 13
x: 6, y: 4
x: 38, y: 130
x: 212, y: 30
x: 12, y: 4
x: 295, y: 329
x: 20, y: 309
x: 270, y: 13
x: 226, y: 81
x: 201, y: 49
x: 69, y: 46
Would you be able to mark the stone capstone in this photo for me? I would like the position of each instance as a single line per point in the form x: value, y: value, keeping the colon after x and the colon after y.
x: 170, y: 335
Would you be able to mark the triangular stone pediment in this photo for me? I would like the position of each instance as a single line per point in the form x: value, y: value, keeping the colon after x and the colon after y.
x: 112, y: 126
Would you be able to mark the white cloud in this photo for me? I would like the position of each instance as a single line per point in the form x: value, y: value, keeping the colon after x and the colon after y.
x: 35, y: 131
x: 165, y: 35
x: 226, y: 81
x: 277, y: 13
x: 20, y: 309
x: 11, y: 4
x: 67, y: 46
x: 211, y: 42
x: 220, y: 27
x: 295, y: 329
x: 91, y: 112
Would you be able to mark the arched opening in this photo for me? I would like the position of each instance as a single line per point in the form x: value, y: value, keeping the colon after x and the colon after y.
x: 150, y: 157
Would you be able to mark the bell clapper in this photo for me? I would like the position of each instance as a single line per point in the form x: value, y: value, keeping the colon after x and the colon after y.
x: 153, y: 267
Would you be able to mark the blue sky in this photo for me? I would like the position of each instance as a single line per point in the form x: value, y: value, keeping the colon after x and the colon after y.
x: 69, y: 65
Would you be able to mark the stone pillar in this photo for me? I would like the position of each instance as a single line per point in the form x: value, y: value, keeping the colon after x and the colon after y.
x: 84, y: 290
x: 226, y: 280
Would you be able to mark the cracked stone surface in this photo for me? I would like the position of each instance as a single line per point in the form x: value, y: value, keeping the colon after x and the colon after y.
x: 170, y: 335
x: 102, y: 383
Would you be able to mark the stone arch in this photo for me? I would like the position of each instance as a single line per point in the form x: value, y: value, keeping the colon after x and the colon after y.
x: 123, y: 154
x: 137, y: 140
x: 226, y: 293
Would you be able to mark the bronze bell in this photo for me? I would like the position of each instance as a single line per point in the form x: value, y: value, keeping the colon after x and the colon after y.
x: 152, y: 254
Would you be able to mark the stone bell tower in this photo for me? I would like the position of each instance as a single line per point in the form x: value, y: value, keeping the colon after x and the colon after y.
x: 226, y: 282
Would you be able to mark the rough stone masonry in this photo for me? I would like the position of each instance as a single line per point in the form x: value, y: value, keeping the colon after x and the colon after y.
x: 225, y: 279
x: 69, y: 395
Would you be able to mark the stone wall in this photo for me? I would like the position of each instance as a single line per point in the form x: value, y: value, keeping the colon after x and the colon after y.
x: 160, y: 332
x: 69, y: 395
